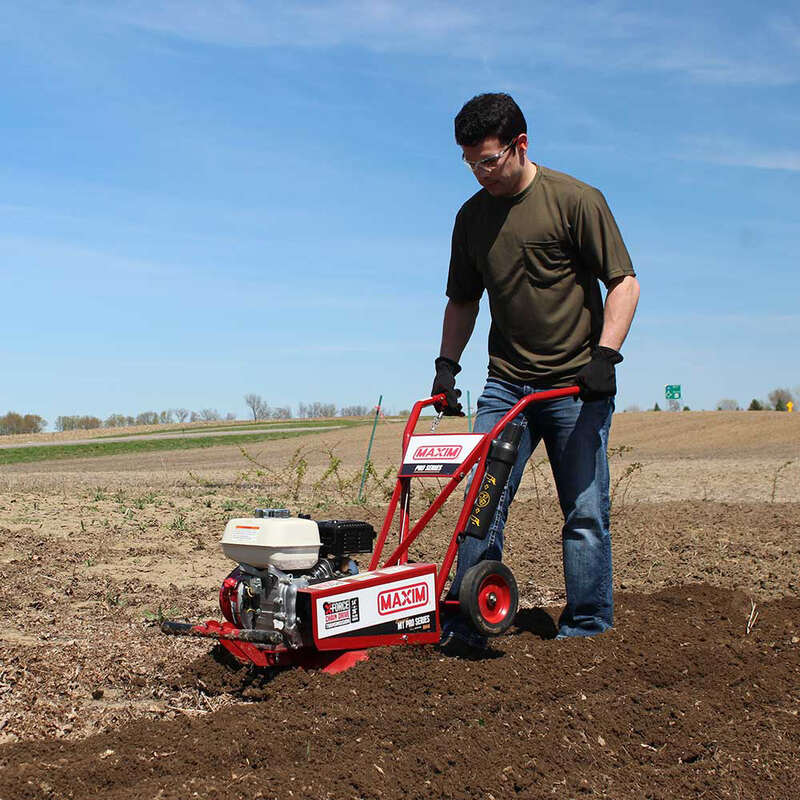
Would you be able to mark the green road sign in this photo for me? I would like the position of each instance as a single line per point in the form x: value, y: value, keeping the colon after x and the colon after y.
x: 672, y: 391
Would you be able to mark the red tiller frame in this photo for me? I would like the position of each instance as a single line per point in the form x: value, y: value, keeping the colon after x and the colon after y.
x: 402, y: 490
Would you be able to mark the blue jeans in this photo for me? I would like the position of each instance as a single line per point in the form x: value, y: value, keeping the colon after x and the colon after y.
x: 575, y: 434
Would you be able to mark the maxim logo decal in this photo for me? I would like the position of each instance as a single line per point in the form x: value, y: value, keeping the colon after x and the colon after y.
x: 438, y: 452
x: 401, y: 599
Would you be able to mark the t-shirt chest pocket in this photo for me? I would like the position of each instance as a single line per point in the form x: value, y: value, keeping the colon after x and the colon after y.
x: 546, y: 262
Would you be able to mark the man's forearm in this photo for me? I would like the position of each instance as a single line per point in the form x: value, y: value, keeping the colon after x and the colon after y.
x: 459, y: 322
x: 621, y: 300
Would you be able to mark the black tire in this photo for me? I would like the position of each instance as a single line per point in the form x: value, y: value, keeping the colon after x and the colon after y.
x: 489, y: 597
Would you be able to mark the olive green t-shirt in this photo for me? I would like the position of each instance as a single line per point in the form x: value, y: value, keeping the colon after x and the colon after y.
x: 539, y: 255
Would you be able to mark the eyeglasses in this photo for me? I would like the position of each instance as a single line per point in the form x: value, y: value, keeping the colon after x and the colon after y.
x: 490, y: 162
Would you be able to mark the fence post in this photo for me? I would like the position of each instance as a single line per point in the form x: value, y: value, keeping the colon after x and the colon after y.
x: 369, y: 447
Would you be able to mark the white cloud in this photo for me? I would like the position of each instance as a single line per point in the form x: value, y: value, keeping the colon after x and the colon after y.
x: 376, y: 24
x: 787, y: 29
x: 752, y: 319
x: 730, y: 152
x: 604, y: 36
x: 725, y: 70
x: 775, y: 159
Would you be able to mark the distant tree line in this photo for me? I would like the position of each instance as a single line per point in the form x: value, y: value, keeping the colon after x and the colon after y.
x: 777, y: 400
x: 316, y: 410
x: 21, y: 423
x: 354, y: 411
x: 169, y: 416
x: 260, y: 409
x: 77, y: 422
x: 13, y: 422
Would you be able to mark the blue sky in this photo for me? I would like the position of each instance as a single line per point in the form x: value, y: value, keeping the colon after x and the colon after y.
x: 204, y: 199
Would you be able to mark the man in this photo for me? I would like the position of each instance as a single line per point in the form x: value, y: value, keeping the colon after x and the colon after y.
x: 539, y: 242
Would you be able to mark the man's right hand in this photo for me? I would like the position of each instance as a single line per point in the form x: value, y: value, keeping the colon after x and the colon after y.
x: 445, y: 383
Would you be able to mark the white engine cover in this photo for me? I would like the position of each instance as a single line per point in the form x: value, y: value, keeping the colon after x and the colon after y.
x: 285, y: 543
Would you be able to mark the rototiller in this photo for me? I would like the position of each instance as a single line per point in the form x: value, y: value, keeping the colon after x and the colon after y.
x: 297, y: 597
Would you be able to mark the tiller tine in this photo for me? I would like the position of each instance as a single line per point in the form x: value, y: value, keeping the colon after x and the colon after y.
x: 259, y: 648
x: 246, y: 646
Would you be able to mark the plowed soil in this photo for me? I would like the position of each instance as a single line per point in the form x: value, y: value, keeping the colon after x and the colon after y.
x: 695, y: 693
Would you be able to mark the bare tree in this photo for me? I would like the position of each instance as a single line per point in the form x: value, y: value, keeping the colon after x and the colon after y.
x: 209, y: 415
x: 181, y: 414
x: 316, y: 410
x: 727, y: 404
x: 353, y: 411
x: 258, y: 408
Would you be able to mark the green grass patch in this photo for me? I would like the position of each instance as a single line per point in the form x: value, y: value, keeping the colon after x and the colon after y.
x: 240, y: 426
x: 94, y: 449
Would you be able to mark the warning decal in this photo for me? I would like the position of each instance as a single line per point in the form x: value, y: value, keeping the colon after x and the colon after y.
x: 340, y: 612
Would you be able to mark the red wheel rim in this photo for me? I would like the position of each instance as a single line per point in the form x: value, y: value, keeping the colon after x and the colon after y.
x: 494, y: 599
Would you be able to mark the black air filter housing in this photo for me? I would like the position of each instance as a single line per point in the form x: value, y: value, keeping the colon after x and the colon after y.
x: 342, y: 537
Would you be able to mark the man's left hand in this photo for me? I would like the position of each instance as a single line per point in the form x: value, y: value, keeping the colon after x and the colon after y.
x: 597, y: 380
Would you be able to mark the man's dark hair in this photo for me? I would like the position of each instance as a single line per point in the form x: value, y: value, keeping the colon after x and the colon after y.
x: 489, y: 115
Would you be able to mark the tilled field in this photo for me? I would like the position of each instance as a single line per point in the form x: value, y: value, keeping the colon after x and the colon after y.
x: 694, y: 693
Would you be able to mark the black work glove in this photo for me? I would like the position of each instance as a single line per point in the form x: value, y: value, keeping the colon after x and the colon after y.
x: 597, y: 380
x: 445, y: 383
